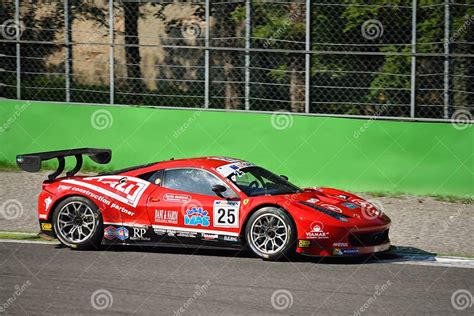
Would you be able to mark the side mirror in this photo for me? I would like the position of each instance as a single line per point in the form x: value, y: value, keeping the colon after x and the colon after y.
x: 284, y: 177
x: 218, y: 189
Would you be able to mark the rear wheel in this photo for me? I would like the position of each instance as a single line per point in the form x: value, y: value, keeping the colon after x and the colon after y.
x: 77, y: 223
x: 270, y: 233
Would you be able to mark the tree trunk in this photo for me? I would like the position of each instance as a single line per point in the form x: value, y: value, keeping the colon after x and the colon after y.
x: 132, y: 51
x: 297, y: 83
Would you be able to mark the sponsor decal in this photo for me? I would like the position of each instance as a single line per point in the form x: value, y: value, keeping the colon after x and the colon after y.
x: 166, y: 217
x: 177, y: 198
x: 42, y: 216
x: 210, y: 236
x: 64, y: 187
x: 109, y: 232
x: 246, y: 201
x: 317, y: 231
x: 47, y: 203
x: 313, y: 200
x: 127, y: 190
x: 340, y: 244
x: 226, y: 159
x: 120, y: 233
x: 331, y: 207
x: 340, y: 252
x: 350, y: 205
x: 342, y: 196
x: 196, y: 217
x: 356, y: 215
x: 303, y: 243
x: 159, y: 231
x: 233, y: 168
x: 230, y: 238
x: 47, y: 227
x: 138, y: 233
x: 226, y: 213
x: 186, y: 234
x: 362, y: 203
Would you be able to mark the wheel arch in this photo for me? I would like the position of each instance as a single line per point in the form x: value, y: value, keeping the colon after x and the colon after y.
x: 62, y: 198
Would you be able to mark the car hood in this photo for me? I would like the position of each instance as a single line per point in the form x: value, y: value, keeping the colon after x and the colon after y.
x: 337, y: 201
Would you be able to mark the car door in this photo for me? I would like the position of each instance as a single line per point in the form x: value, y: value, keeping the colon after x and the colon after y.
x: 184, y: 205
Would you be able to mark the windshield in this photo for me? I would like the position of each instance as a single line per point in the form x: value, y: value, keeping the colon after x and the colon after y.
x: 256, y: 181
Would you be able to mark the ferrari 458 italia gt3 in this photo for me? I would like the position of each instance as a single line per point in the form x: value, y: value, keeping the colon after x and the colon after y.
x: 211, y: 201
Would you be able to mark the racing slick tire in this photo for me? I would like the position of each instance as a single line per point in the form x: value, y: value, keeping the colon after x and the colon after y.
x: 270, y: 233
x: 78, y: 223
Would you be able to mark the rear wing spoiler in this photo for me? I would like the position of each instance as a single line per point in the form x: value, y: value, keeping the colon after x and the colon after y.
x: 32, y: 162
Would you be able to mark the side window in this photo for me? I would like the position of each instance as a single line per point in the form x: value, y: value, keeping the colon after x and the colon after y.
x: 193, y: 181
x: 154, y: 177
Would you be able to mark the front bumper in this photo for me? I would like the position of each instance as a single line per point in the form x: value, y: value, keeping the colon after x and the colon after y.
x: 315, y: 250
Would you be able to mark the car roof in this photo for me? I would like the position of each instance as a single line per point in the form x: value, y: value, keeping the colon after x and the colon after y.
x: 208, y: 162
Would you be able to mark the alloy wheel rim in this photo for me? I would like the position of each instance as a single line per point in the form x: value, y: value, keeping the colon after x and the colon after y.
x: 76, y: 222
x: 269, y: 234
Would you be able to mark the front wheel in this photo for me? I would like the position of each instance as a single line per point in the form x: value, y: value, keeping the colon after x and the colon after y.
x: 270, y: 233
x: 77, y: 223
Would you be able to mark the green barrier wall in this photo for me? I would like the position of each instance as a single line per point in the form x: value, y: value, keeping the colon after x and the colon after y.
x: 352, y: 154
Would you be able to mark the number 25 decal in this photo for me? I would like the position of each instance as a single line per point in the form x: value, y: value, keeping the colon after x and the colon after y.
x: 226, y: 214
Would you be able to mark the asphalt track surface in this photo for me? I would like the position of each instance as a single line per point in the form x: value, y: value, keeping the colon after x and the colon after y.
x: 176, y: 281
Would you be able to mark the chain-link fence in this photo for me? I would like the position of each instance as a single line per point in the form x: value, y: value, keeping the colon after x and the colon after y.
x: 404, y: 58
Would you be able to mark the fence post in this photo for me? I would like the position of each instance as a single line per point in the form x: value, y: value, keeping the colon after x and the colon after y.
x: 447, y: 26
x: 206, y: 56
x: 18, y: 59
x: 413, y: 59
x: 308, y: 58
x: 248, y: 34
x: 67, y: 51
x: 111, y: 52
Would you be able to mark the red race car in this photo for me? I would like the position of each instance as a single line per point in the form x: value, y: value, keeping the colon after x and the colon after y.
x: 210, y: 201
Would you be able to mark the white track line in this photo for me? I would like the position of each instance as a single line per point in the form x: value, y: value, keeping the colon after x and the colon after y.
x: 454, y: 262
x: 15, y: 241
